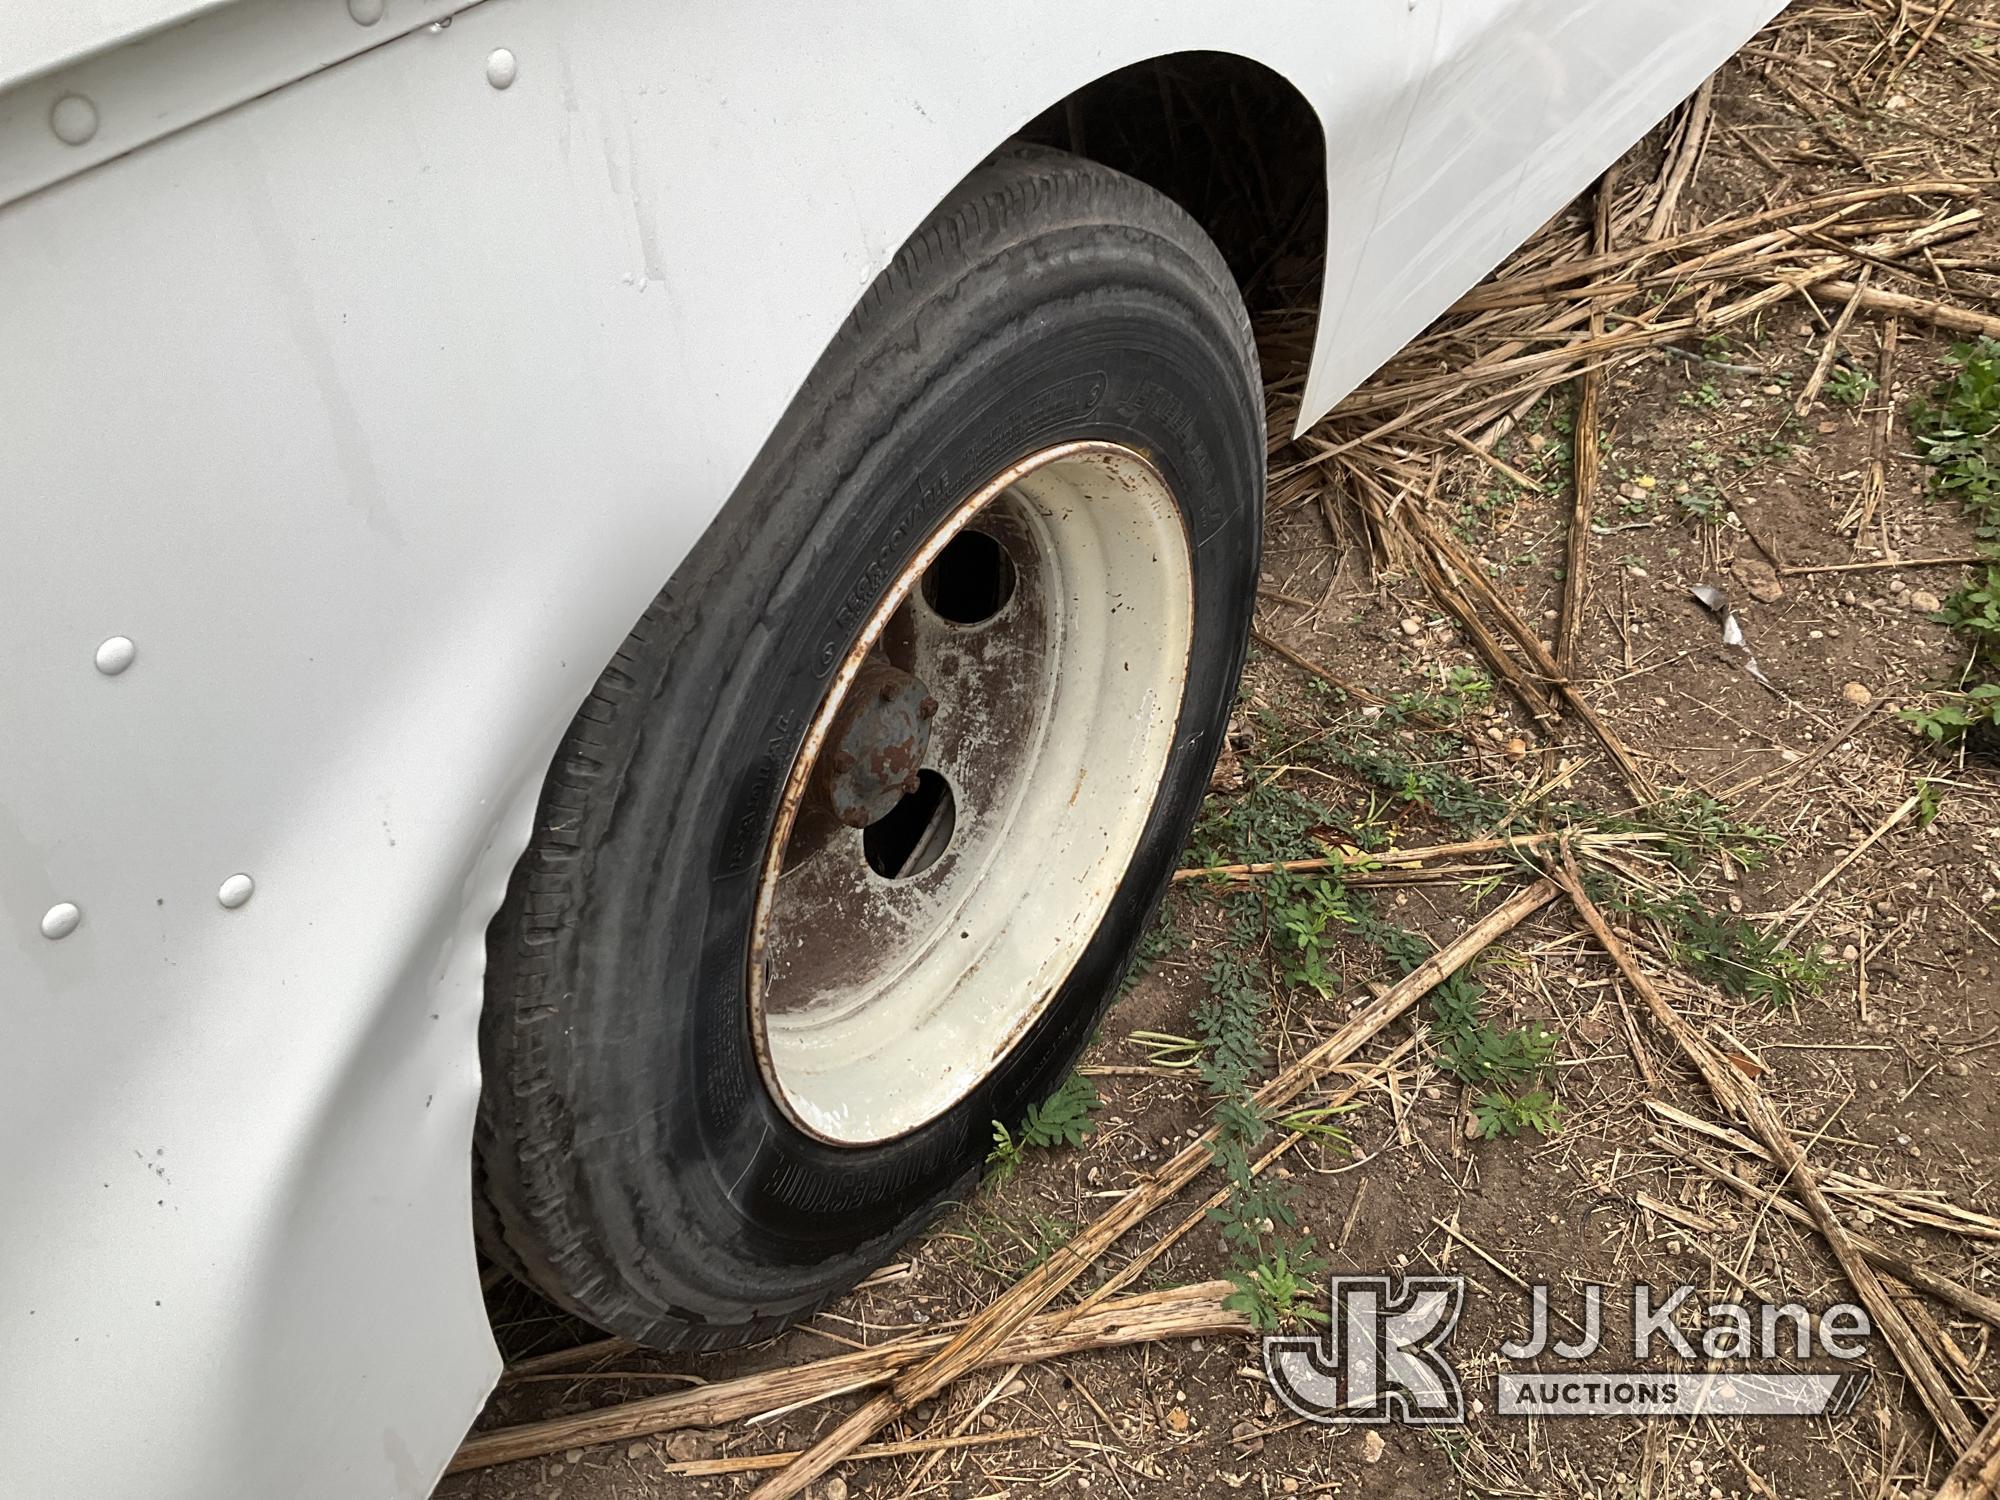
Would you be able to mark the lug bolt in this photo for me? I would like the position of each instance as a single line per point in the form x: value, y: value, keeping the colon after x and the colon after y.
x: 854, y: 817
x: 911, y: 782
x: 926, y: 708
x: 888, y: 692
x: 842, y: 762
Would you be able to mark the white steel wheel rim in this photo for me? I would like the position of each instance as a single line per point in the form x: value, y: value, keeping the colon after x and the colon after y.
x: 880, y: 1000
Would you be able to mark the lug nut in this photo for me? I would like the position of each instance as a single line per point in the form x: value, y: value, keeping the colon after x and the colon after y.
x: 911, y: 782
x: 854, y: 817
x: 889, y: 692
x: 842, y: 762
x: 926, y: 708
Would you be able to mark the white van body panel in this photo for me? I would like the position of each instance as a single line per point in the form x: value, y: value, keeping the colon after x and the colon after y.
x: 373, y: 402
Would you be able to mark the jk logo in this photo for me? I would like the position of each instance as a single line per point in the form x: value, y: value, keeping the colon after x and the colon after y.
x: 1382, y: 1358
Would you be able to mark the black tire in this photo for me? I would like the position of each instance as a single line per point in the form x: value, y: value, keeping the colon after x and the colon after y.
x: 634, y: 1163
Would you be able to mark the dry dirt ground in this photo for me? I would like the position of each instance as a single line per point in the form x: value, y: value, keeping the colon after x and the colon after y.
x: 1804, y: 808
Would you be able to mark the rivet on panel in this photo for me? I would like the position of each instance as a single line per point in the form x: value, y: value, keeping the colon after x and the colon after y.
x: 74, y: 119
x: 115, y: 655
x: 235, y: 891
x: 60, y: 920
x: 365, y: 12
x: 501, y: 67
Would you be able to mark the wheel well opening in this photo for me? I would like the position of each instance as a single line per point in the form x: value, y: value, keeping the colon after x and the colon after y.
x: 1232, y: 142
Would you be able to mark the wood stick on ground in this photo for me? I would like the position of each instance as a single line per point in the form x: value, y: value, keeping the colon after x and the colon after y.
x: 1880, y: 564
x: 1743, y: 1100
x: 566, y: 1359
x: 1644, y: 790
x: 1908, y: 806
x: 1976, y: 1475
x: 1911, y: 1206
x: 973, y: 1345
x: 1500, y: 466
x: 1392, y: 857
x: 1182, y: 1312
x: 1584, y: 455
x: 1486, y: 643
x: 1890, y: 7
x: 1894, y: 1261
x: 1945, y: 315
x: 1693, y: 141
x: 1819, y: 273
x: 1875, y: 486
x: 1923, y: 39
x: 1964, y: 1373
x: 1823, y: 366
x: 1326, y: 675
x: 750, y: 1463
x: 1507, y: 288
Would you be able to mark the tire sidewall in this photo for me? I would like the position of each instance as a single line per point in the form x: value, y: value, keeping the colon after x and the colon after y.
x: 706, y: 1194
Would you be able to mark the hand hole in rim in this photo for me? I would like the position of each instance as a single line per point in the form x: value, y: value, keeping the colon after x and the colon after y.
x: 909, y: 838
x: 971, y: 581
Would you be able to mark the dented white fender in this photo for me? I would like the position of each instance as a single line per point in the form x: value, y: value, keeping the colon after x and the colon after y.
x: 369, y: 374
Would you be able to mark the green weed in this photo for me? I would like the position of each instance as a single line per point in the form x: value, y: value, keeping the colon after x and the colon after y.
x: 1496, y: 1114
x: 1266, y: 821
x: 1274, y: 1293
x: 1730, y: 953
x: 1509, y: 1065
x: 1302, y: 911
x: 1847, y: 386
x: 1062, y: 1119
x: 1271, y: 1262
x: 1010, y: 1247
x: 1958, y: 433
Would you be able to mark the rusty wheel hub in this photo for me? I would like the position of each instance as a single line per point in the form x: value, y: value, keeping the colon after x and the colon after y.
x: 969, y: 793
x: 877, y: 744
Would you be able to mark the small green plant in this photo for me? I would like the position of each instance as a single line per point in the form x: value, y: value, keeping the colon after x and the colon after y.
x: 1459, y: 804
x: 1497, y: 1114
x: 1274, y: 1293
x: 1265, y: 821
x: 1316, y: 1123
x: 1271, y: 1262
x: 1847, y: 386
x: 1703, y: 504
x: 1958, y: 433
x: 1460, y: 689
x: 1729, y: 952
x: 1708, y: 395
x: 1010, y: 1247
x: 1929, y: 803
x: 1062, y: 1119
x: 1508, y: 1064
x: 1950, y: 721
x: 1695, y: 828
x: 1301, y: 912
